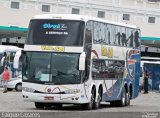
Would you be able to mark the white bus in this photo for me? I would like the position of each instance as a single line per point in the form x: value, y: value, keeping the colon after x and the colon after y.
x: 80, y: 60
x: 7, y: 57
x: 7, y: 54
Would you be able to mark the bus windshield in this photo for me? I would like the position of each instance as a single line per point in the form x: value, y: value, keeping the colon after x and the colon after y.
x: 55, y: 32
x: 51, y: 68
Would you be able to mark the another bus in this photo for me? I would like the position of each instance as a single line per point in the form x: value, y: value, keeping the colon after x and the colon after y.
x: 74, y: 59
x: 152, y: 66
x: 7, y: 58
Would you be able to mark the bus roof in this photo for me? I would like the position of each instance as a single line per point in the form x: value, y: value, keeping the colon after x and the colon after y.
x: 9, y: 48
x: 149, y: 62
x: 79, y: 17
x: 150, y: 58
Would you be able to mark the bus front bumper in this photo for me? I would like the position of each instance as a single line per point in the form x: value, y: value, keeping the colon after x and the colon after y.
x: 54, y: 98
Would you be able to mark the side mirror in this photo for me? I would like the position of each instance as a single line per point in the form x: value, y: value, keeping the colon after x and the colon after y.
x: 16, y: 59
x: 82, y: 60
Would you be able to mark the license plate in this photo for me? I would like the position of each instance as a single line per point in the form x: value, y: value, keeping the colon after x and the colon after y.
x: 48, y: 98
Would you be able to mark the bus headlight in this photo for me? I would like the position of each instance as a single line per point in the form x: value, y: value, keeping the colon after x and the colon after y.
x: 26, y: 89
x: 72, y: 91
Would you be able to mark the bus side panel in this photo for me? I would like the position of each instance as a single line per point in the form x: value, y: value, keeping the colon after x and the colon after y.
x: 133, y: 70
x: 114, y: 92
x: 135, y: 82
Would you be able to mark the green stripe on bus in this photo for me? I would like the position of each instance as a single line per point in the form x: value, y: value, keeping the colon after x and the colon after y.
x: 150, y: 38
x: 13, y: 28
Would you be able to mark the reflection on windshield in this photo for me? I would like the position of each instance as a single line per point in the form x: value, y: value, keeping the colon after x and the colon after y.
x: 53, y: 68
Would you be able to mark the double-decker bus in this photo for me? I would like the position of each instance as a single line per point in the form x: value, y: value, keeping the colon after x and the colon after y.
x: 80, y: 60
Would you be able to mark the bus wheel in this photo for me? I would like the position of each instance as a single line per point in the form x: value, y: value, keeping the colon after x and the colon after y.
x: 122, y: 102
x: 18, y: 87
x: 39, y: 105
x: 127, y: 103
x: 99, y: 98
x: 58, y: 105
x: 113, y: 103
x: 89, y: 105
x: 48, y: 105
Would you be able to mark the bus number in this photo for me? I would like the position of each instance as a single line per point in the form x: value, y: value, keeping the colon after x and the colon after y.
x: 107, y: 51
x: 59, y: 49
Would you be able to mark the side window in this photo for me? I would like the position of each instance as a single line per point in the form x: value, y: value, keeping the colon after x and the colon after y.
x: 130, y: 37
x: 137, y: 38
x: 124, y: 38
x: 107, y: 69
x: 118, y: 35
x: 103, y: 33
x: 88, y: 45
x: 98, y: 69
x: 88, y: 32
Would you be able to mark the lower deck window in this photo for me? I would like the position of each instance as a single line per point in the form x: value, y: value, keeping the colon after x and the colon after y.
x: 107, y: 69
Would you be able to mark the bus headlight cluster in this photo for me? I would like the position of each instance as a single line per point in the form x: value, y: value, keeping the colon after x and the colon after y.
x: 72, y: 91
x: 28, y: 89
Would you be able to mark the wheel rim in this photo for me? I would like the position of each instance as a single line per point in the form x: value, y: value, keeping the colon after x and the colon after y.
x: 128, y: 101
x: 19, y: 87
x: 98, y: 100
x: 123, y: 99
x: 92, y: 99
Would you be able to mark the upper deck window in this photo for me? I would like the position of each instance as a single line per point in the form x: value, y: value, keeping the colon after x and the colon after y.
x: 56, y: 32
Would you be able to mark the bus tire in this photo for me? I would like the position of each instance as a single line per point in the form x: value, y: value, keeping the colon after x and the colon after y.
x: 99, y: 99
x: 122, y: 102
x: 89, y: 106
x: 58, y: 105
x: 48, y: 105
x: 113, y: 103
x: 39, y: 105
x: 18, y: 87
x: 127, y: 103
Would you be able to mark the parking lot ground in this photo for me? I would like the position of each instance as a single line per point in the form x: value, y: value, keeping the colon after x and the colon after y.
x: 12, y: 102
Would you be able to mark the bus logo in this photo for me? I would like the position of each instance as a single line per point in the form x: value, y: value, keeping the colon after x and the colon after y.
x: 107, y: 51
x: 49, y: 90
x: 54, y: 26
x: 49, y: 26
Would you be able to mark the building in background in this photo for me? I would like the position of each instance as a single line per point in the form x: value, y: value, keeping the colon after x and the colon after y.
x: 15, y: 15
